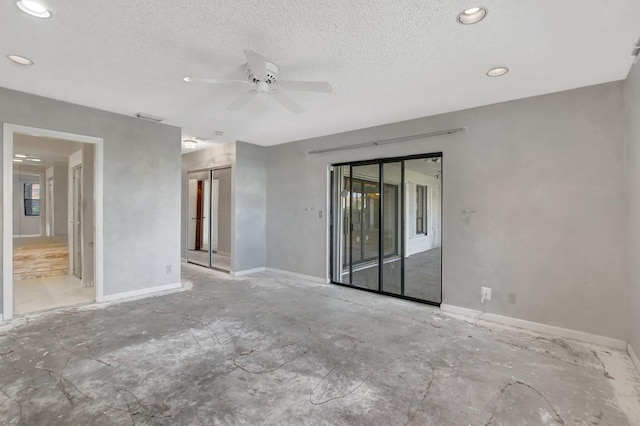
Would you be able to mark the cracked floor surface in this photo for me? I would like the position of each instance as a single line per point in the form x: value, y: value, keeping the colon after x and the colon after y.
x: 273, y: 350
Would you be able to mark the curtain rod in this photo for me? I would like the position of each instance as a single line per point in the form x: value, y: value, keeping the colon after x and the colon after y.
x: 389, y: 141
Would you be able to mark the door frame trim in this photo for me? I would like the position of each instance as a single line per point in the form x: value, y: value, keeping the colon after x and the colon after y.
x: 8, y: 131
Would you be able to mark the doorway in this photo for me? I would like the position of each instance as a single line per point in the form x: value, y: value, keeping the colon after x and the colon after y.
x: 209, y: 213
x: 60, y: 264
x: 385, y: 228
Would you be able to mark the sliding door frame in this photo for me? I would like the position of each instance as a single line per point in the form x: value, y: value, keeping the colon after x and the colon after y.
x: 210, y: 171
x: 403, y: 230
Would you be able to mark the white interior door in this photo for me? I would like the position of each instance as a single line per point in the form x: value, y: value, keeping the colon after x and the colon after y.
x: 215, y: 190
x: 77, y: 222
x: 49, y: 209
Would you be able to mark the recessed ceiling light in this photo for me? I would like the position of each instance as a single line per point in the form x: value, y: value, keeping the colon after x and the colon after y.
x: 37, y: 160
x: 190, y: 143
x: 472, y: 15
x: 20, y: 59
x: 33, y: 8
x: 20, y: 156
x: 497, y: 72
x: 16, y: 160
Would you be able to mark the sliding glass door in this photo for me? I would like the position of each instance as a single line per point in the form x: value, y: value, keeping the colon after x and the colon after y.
x: 209, y: 218
x: 199, y: 215
x: 386, y: 226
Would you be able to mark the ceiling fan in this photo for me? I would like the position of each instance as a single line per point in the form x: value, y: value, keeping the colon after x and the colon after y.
x: 262, y: 76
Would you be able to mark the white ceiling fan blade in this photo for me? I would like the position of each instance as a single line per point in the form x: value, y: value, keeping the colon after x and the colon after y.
x: 242, y: 100
x: 286, y: 102
x: 307, y: 86
x: 215, y: 81
x: 257, y: 63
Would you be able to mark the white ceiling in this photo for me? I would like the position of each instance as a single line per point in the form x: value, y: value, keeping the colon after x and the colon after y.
x: 49, y: 150
x: 387, y: 61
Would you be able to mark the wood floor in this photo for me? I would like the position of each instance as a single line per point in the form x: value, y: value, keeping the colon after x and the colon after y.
x: 40, y: 257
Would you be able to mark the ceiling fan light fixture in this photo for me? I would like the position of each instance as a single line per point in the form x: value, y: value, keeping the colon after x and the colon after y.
x: 20, y: 60
x: 497, y: 72
x: 190, y: 143
x: 472, y: 15
x: 33, y: 8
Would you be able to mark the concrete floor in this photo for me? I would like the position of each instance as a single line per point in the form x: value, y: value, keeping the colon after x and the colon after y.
x: 274, y: 350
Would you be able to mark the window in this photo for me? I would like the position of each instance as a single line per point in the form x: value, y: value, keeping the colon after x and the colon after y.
x: 32, y: 199
x: 421, y: 209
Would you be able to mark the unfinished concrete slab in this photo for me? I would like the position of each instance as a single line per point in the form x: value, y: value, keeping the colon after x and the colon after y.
x: 269, y: 349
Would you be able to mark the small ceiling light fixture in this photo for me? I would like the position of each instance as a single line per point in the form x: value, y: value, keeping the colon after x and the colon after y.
x: 17, y: 160
x: 472, y: 15
x: 20, y: 60
x: 36, y: 160
x: 33, y: 8
x: 190, y: 143
x: 497, y: 72
x: 20, y: 156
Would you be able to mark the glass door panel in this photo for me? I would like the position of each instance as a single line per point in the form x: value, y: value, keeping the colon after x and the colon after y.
x: 221, y: 215
x: 198, y: 249
x: 423, y: 217
x: 391, y: 228
x: 340, y: 226
x: 364, y: 225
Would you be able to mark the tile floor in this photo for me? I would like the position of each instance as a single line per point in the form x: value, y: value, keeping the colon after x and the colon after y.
x: 41, y: 294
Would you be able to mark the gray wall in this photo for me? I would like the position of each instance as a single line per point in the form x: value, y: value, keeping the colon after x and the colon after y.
x: 632, y: 91
x: 251, y: 207
x: 141, y: 222
x: 25, y: 225
x: 544, y: 174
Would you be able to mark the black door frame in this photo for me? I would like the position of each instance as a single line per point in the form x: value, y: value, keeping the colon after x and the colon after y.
x: 380, y: 162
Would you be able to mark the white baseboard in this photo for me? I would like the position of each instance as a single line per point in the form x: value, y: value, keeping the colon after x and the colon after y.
x: 539, y: 327
x: 247, y: 272
x: 300, y: 276
x: 633, y: 356
x: 140, y: 292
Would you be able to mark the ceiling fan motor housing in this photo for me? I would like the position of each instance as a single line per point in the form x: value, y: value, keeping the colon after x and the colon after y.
x: 272, y: 73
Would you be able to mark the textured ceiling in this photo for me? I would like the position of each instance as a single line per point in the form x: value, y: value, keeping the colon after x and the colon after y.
x: 387, y: 61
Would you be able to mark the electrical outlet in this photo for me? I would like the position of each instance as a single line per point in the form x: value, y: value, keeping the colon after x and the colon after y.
x: 168, y: 267
x: 512, y: 298
x: 485, y: 294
